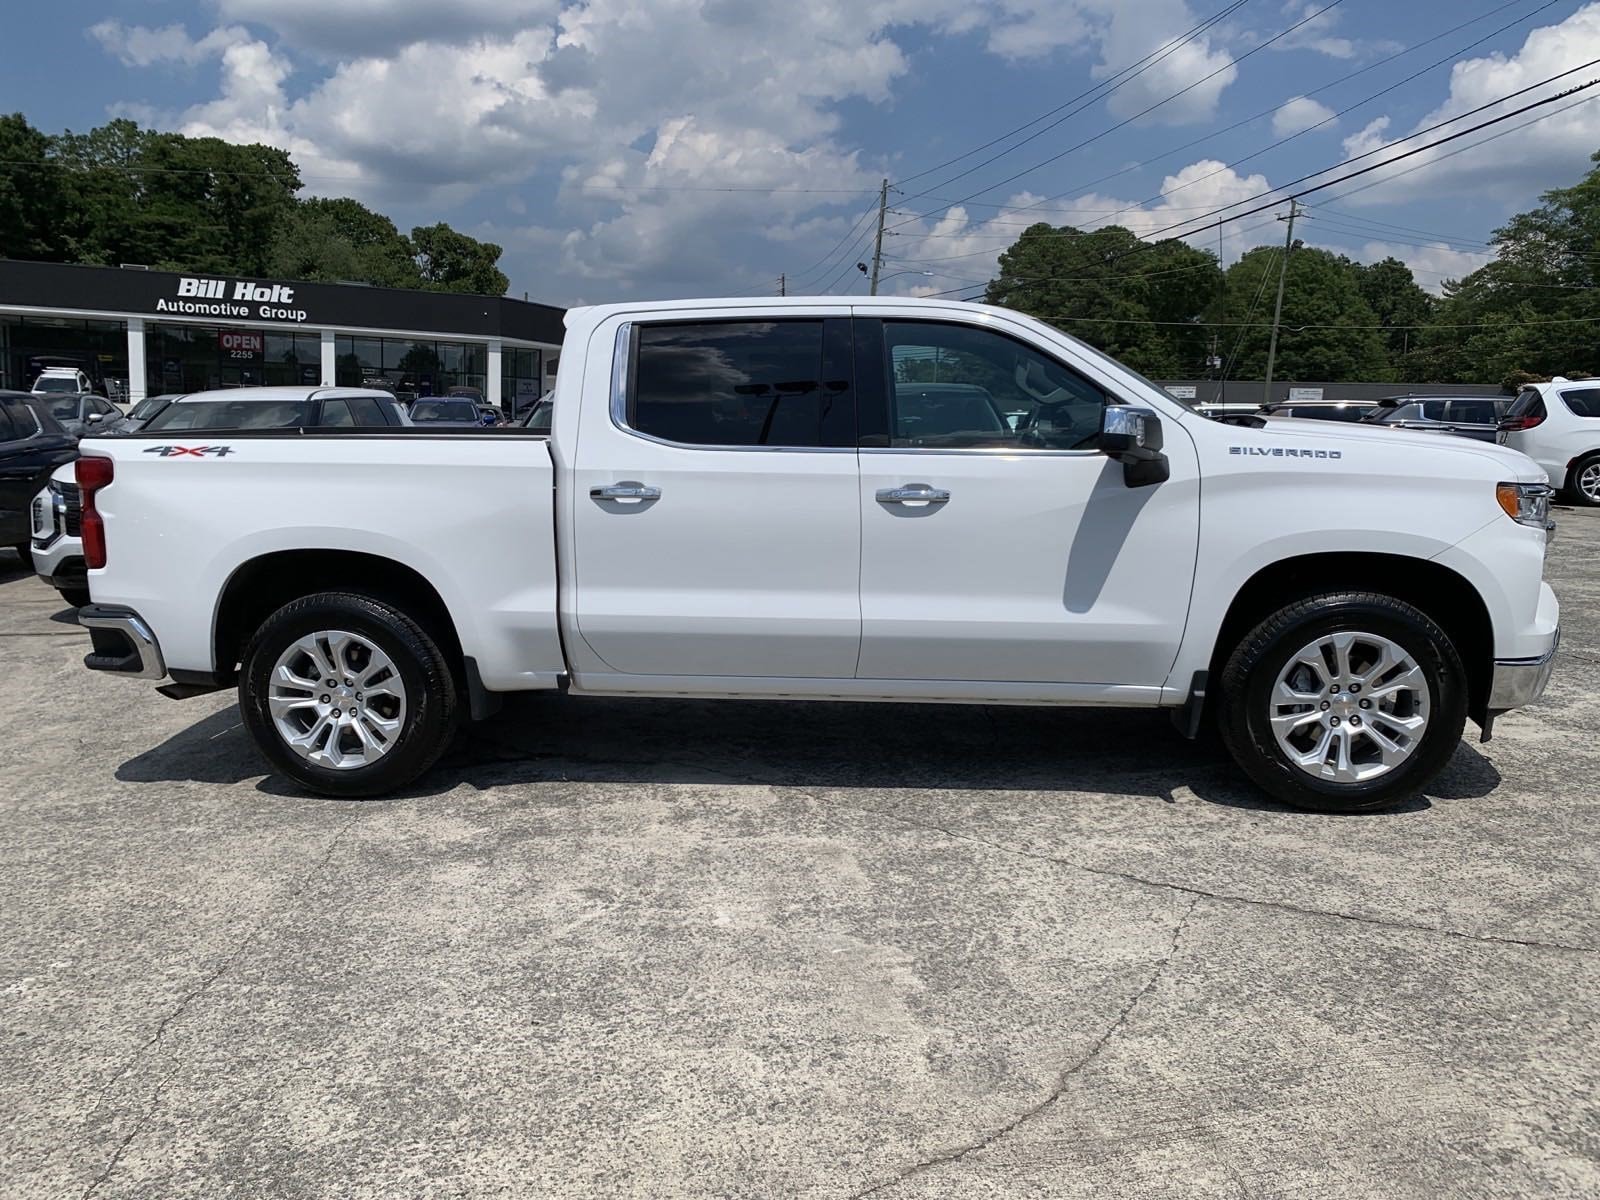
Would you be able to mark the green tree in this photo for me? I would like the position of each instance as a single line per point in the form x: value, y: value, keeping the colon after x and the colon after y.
x: 1328, y: 329
x: 1399, y: 304
x: 342, y: 239
x: 450, y: 261
x: 30, y: 192
x: 1139, y: 302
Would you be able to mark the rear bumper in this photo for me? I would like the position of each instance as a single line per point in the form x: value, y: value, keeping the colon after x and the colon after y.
x: 123, y: 643
x: 1520, y: 681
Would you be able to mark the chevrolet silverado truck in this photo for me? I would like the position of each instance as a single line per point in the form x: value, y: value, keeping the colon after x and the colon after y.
x: 833, y: 499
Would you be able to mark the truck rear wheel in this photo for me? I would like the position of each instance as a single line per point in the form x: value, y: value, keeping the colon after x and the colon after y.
x: 347, y: 695
x: 1344, y: 702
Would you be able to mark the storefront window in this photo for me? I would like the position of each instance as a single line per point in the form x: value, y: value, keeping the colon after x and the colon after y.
x: 98, y: 348
x: 520, y: 383
x: 409, y: 368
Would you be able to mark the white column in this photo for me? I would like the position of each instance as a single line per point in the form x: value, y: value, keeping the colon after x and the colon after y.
x: 136, y: 368
x: 491, y: 392
x: 330, y: 364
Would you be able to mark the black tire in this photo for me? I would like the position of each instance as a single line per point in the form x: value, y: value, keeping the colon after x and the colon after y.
x: 1575, y: 494
x: 431, y: 700
x: 77, y: 597
x: 1252, y: 671
x: 25, y: 553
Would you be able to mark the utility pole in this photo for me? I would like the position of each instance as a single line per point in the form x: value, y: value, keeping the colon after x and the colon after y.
x: 1277, y: 312
x: 877, y: 245
x: 783, y: 285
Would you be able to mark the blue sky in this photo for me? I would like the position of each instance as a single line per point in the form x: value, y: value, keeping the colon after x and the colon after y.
x: 623, y: 148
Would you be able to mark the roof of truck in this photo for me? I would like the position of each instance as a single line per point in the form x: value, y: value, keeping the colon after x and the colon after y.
x: 597, y: 312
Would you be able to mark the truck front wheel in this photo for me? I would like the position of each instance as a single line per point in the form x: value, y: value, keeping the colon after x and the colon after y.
x: 347, y: 695
x: 1343, y: 702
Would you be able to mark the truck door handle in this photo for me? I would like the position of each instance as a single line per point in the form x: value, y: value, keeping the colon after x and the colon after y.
x: 913, y: 493
x: 626, y: 491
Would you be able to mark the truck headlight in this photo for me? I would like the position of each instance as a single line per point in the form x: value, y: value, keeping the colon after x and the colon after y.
x: 1526, y: 503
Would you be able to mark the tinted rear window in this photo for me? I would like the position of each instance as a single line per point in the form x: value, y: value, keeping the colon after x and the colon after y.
x: 65, y: 409
x: 1529, y: 403
x: 444, y: 410
x: 1585, y: 403
x: 730, y: 383
x: 232, y: 414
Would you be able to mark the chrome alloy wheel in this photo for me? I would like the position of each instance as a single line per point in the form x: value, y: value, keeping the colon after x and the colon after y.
x: 337, y: 700
x: 1350, y: 707
x: 1589, y: 482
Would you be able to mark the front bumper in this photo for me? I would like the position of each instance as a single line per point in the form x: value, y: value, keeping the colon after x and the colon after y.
x: 123, y: 643
x: 1519, y: 681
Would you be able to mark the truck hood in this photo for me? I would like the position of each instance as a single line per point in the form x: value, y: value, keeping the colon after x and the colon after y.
x: 1512, y: 463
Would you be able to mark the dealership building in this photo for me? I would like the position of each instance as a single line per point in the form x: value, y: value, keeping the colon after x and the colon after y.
x: 140, y: 333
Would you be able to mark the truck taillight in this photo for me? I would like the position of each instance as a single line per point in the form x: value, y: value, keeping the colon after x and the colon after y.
x: 93, y: 474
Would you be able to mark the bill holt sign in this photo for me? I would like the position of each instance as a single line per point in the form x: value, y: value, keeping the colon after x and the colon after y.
x: 226, y: 298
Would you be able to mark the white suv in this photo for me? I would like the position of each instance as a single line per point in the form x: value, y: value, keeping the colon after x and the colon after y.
x: 1557, y: 424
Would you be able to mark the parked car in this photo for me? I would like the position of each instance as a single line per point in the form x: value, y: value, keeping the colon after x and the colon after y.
x: 81, y: 412
x: 1477, y: 417
x: 447, y: 410
x: 1318, y: 410
x: 279, y: 408
x: 32, y: 445
x: 142, y: 413
x: 1557, y: 424
x: 58, y: 538
x: 732, y: 502
x: 488, y: 414
x: 55, y: 381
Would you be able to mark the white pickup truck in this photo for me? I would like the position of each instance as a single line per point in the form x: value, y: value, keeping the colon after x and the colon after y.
x: 834, y: 499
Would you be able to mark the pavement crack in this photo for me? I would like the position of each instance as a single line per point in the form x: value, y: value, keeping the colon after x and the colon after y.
x: 1222, y: 897
x: 193, y: 995
x: 1063, y: 1080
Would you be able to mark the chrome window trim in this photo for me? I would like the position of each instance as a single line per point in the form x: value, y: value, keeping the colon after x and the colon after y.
x: 621, y: 370
x: 1001, y: 451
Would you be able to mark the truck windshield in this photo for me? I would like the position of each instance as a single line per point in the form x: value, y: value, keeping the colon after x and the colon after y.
x: 232, y: 414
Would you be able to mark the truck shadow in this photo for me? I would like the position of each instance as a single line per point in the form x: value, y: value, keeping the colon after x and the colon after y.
x: 797, y: 745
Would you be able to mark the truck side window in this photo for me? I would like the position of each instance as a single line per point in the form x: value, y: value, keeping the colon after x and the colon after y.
x: 733, y: 383
x: 958, y: 387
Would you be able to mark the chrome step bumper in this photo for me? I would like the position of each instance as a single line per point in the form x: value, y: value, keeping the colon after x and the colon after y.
x: 123, y: 643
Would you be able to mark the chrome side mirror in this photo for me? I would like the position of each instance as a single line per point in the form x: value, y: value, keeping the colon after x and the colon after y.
x: 1132, y: 436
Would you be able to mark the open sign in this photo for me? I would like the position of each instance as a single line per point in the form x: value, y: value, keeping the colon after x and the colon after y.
x: 242, y: 344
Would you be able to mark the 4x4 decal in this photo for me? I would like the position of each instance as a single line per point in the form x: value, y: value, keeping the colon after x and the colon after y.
x: 196, y: 451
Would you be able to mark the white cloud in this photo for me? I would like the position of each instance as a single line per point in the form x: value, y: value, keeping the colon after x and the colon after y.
x: 422, y: 103
x: 1367, y: 139
x: 961, y: 249
x: 1298, y: 115
x: 1432, y: 264
x: 138, y: 46
x: 1518, y: 162
x: 345, y: 28
x: 1316, y: 34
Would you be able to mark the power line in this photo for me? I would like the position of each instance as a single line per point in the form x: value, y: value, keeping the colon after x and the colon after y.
x: 1451, y: 57
x: 1367, y: 170
x: 1168, y: 46
x: 1138, y: 115
x: 1343, y: 79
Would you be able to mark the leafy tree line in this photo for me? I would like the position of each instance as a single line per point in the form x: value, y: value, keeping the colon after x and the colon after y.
x: 1171, y: 311
x: 122, y: 194
x: 1167, y: 308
